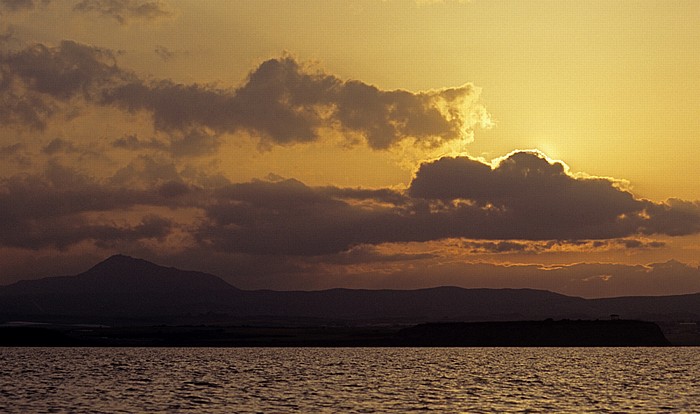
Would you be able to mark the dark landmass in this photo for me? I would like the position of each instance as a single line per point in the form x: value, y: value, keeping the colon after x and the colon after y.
x: 565, y: 333
x: 123, y: 291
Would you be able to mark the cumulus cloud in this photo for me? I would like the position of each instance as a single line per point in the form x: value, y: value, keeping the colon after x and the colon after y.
x: 285, y: 102
x: 125, y: 11
x: 61, y: 72
x: 281, y: 102
x: 524, y: 197
x: 35, y: 80
x: 535, y: 198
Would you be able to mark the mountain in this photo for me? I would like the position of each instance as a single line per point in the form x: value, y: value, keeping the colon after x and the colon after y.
x: 120, y: 286
x: 125, y: 290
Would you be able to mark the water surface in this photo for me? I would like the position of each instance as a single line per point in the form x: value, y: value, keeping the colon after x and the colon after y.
x: 350, y: 380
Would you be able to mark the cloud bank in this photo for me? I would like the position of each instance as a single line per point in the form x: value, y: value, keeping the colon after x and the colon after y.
x: 523, y: 197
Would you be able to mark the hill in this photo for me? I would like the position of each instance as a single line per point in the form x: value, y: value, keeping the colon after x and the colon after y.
x: 129, y: 291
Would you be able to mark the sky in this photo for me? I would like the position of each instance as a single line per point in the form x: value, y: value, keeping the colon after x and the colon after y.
x: 363, y: 143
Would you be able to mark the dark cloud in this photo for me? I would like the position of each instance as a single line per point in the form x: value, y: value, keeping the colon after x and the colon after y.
x: 62, y: 232
x: 640, y: 244
x: 10, y: 150
x: 145, y: 171
x: 32, y: 111
x: 62, y: 72
x: 518, y: 246
x: 285, y: 103
x: 21, y: 5
x: 366, y: 195
x: 16, y: 153
x: 8, y: 36
x: 164, y: 53
x: 526, y: 203
x: 370, y: 254
x: 195, y: 142
x: 35, y: 80
x: 58, y: 145
x: 496, y: 246
x: 281, y: 102
x: 125, y: 11
x: 287, y: 217
x: 132, y: 142
x: 525, y: 197
x: 50, y: 209
x: 675, y: 218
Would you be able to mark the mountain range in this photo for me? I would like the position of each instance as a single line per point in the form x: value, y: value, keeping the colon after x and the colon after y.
x: 126, y: 290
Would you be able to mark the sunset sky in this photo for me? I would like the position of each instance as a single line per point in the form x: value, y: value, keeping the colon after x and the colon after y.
x: 364, y: 144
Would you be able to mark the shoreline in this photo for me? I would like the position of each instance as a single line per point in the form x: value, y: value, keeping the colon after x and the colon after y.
x: 564, y: 333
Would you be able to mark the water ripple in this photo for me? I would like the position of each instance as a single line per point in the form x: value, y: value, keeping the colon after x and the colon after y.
x: 352, y: 380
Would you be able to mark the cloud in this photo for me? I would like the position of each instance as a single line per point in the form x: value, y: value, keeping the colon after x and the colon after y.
x: 132, y: 142
x: 528, y: 196
x: 524, y: 197
x: 21, y: 5
x: 363, y: 254
x: 63, y: 232
x: 59, y: 145
x: 17, y: 154
x: 35, y: 80
x: 591, y: 280
x: 192, y: 143
x: 282, y: 102
x: 10, y: 150
x: 520, y: 246
x: 164, y: 53
x: 126, y: 11
x: 145, y: 172
x: 523, y: 202
x: 61, y: 72
x: 55, y: 208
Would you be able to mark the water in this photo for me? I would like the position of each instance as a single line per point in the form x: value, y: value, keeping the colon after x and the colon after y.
x: 349, y: 380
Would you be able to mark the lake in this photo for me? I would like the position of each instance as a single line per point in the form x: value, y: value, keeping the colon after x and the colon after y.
x: 349, y: 380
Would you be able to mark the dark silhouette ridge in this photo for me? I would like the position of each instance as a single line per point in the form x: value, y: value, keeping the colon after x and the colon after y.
x: 535, y: 333
x: 126, y: 291
x: 521, y: 333
x: 120, y: 286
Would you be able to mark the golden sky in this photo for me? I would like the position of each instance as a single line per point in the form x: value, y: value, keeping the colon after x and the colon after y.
x: 315, y: 144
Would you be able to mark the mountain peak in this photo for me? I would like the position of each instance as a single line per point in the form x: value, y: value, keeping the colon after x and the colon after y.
x: 122, y: 262
x: 126, y: 274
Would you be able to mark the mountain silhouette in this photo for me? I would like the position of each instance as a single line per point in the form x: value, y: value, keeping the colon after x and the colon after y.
x: 127, y: 290
x: 120, y: 286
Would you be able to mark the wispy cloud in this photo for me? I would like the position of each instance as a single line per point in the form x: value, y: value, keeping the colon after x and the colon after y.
x: 126, y: 11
